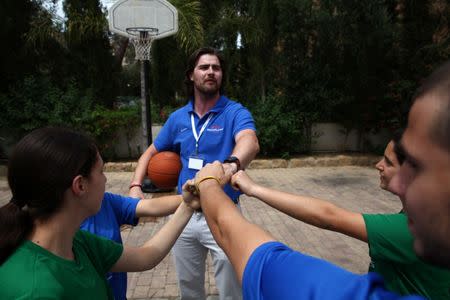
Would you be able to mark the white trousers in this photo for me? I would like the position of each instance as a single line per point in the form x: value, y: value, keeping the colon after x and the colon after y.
x: 189, y: 254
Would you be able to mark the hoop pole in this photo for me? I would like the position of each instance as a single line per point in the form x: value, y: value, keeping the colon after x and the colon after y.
x: 146, y: 114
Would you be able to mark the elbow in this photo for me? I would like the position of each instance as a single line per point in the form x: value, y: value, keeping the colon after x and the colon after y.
x: 143, y: 158
x: 217, y: 225
x: 222, y: 228
x: 327, y: 219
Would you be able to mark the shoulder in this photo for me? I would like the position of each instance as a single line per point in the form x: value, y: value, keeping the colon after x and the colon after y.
x: 83, y: 237
x: 97, y: 248
x: 235, y: 112
x: 179, y: 116
x: 389, y: 238
x: 294, y: 275
x: 88, y: 241
x: 182, y: 111
x: 113, y: 199
x: 19, y: 260
x: 231, y: 105
x: 106, y: 208
x: 20, y: 273
x: 385, y: 221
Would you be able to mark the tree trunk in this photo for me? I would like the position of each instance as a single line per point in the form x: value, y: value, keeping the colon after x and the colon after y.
x: 119, y: 52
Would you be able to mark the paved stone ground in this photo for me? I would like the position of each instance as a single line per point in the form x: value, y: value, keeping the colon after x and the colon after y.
x: 355, y: 188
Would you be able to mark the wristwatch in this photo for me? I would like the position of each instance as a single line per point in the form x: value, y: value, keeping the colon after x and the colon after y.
x: 233, y: 159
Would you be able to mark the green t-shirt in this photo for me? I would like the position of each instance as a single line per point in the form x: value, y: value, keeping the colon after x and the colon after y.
x: 32, y: 272
x: 392, y: 253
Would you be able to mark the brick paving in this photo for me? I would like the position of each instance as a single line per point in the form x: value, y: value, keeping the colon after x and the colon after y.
x: 354, y: 188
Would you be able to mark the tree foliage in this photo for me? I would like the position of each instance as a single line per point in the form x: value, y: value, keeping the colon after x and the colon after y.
x: 90, y: 55
x: 292, y: 62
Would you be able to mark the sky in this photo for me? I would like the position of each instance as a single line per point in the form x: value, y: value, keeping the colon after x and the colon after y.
x: 60, y: 12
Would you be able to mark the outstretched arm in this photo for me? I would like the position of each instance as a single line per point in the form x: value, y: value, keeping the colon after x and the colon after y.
x: 158, y: 207
x: 141, y: 170
x: 246, y: 147
x: 310, y: 210
x: 245, y: 150
x: 135, y: 259
x: 234, y: 234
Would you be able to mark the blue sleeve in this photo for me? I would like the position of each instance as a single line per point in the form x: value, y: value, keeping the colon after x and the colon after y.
x: 243, y: 120
x: 124, y: 208
x: 164, y: 141
x: 274, y: 271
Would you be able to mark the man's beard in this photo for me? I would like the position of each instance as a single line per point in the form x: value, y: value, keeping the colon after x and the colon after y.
x: 208, y: 90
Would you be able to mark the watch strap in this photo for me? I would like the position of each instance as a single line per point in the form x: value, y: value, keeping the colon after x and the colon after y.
x: 233, y: 159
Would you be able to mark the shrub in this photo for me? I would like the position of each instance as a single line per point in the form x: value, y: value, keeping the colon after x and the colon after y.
x: 278, y: 130
x: 36, y: 102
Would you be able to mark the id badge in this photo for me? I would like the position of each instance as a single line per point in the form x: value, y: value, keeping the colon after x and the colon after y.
x: 195, y: 162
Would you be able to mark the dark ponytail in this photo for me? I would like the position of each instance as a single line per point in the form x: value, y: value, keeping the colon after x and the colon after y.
x: 40, y: 170
x: 16, y: 225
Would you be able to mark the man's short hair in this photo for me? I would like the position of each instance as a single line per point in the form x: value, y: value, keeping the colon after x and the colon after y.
x: 438, y: 85
x: 192, y: 62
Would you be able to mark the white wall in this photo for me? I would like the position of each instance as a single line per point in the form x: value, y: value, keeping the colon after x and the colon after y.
x: 327, y: 137
x: 135, y: 144
x: 332, y: 137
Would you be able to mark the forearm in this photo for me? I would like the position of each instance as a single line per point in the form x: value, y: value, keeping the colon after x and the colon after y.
x: 141, y: 168
x: 161, y: 243
x: 215, y: 204
x: 158, y: 207
x: 246, y: 147
x: 154, y: 250
x: 233, y: 233
x: 310, y: 210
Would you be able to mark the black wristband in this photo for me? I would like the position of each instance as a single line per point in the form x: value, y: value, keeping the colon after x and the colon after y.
x: 233, y: 159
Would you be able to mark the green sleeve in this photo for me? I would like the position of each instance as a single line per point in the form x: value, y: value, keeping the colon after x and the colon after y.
x: 389, y: 237
x: 103, y: 252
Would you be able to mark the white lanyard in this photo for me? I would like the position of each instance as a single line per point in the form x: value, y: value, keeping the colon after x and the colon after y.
x: 194, y: 130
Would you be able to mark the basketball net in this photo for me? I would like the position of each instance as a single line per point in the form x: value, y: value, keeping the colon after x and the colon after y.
x: 142, y: 39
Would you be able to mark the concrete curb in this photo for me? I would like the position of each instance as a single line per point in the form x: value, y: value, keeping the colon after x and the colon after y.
x: 322, y: 160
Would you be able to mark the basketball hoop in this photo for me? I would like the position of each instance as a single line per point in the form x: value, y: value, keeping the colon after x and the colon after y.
x: 143, y: 21
x: 142, y: 38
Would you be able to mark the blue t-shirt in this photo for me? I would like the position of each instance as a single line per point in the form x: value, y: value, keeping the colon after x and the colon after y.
x: 116, y: 211
x: 274, y: 271
x: 216, y: 142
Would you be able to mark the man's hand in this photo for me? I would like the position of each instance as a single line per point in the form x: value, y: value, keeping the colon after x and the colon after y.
x: 229, y: 169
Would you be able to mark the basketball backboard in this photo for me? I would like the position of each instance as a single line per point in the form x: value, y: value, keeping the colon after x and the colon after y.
x: 159, y: 15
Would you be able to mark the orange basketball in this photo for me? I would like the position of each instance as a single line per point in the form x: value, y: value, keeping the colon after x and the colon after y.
x: 163, y: 169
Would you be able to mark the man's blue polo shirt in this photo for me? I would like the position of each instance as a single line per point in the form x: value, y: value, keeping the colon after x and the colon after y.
x: 216, y: 142
x: 274, y: 271
x: 116, y: 210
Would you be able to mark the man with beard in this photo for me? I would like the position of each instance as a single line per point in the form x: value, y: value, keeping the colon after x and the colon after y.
x: 210, y: 127
x: 269, y: 269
